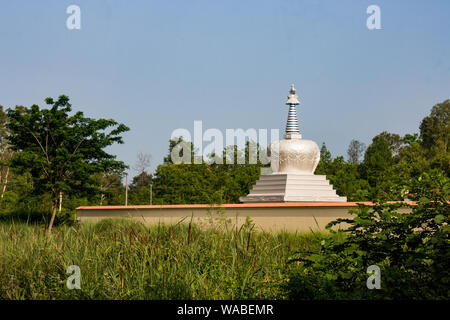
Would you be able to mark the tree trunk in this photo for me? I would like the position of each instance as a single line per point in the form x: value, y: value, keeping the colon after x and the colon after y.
x: 50, y: 226
x: 6, y: 182
x: 1, y: 176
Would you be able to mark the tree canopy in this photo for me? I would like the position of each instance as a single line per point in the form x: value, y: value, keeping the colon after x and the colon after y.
x: 62, y: 152
x: 56, y: 150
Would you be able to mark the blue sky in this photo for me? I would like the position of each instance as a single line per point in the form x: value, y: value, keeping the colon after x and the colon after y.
x: 160, y: 65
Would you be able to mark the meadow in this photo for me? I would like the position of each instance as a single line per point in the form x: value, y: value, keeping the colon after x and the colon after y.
x: 125, y: 259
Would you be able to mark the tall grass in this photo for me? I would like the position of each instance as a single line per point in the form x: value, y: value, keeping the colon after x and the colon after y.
x: 124, y: 259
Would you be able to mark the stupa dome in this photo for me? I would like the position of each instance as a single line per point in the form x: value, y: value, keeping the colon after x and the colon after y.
x: 297, y: 156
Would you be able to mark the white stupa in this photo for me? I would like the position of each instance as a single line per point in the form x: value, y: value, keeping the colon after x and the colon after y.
x: 293, y: 161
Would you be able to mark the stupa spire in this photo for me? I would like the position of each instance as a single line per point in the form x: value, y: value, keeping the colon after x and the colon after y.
x: 292, y: 130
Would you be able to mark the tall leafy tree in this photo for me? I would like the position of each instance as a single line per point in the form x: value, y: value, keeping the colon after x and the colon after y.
x: 394, y: 141
x: 142, y: 180
x: 184, y: 150
x: 62, y: 152
x: 377, y: 161
x: 345, y: 178
x: 139, y: 192
x: 206, y: 182
x: 325, y: 160
x: 5, y: 153
x: 434, y: 134
x: 111, y: 188
x: 435, y: 129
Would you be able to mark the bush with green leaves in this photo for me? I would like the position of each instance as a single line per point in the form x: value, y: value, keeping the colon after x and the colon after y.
x: 34, y: 216
x: 411, y: 250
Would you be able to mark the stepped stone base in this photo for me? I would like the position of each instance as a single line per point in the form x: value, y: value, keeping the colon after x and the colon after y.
x: 292, y: 188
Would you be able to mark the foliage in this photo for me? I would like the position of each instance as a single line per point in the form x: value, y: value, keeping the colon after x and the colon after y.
x: 142, y: 180
x: 111, y: 188
x: 65, y: 216
x: 124, y: 259
x: 411, y: 250
x: 391, y: 161
x: 377, y: 159
x: 62, y: 152
x: 345, y: 178
x: 435, y: 130
x: 206, y: 182
x: 389, y: 164
x: 183, y: 183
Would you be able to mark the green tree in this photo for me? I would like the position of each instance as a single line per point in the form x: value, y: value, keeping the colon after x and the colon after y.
x: 410, y: 249
x: 207, y: 182
x: 111, y: 187
x: 139, y: 192
x: 377, y: 160
x: 235, y: 180
x: 5, y: 153
x: 182, y: 148
x: 183, y: 184
x: 325, y: 160
x: 435, y: 130
x: 434, y: 134
x: 394, y: 141
x: 62, y: 152
x: 346, y: 179
x: 142, y: 180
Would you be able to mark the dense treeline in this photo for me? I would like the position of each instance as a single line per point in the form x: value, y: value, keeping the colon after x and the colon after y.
x: 52, y: 158
x: 382, y: 171
x: 391, y: 162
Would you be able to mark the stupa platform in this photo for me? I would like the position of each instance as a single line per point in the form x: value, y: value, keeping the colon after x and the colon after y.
x: 270, y: 217
x: 292, y: 188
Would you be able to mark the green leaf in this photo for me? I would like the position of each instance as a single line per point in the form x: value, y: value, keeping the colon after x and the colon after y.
x: 439, y: 219
x: 330, y: 276
x: 347, y: 275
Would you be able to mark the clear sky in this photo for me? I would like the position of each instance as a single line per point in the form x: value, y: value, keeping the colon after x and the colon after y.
x: 160, y: 65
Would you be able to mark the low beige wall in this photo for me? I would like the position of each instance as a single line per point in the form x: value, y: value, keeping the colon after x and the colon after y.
x: 266, y: 217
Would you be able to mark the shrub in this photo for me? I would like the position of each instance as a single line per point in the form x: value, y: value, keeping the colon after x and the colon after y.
x: 65, y: 216
x: 411, y: 250
x: 118, y: 225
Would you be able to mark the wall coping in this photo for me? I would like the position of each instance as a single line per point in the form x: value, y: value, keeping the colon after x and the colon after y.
x: 239, y: 205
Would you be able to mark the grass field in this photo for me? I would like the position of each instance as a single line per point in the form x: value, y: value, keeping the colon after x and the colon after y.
x: 123, y: 259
